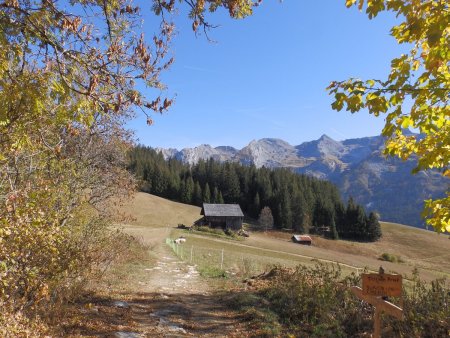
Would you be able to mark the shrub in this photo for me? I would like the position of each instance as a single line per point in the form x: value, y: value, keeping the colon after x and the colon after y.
x: 426, y: 310
x: 317, y: 299
x: 316, y: 302
x: 212, y: 272
x: 255, y: 310
x: 391, y: 258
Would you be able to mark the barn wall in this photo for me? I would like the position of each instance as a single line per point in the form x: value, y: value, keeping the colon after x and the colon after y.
x: 234, y: 223
x: 216, y: 222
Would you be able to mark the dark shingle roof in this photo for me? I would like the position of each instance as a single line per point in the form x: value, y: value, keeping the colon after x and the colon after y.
x: 222, y: 210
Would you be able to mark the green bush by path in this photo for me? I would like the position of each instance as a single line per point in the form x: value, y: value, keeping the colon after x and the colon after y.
x: 317, y: 302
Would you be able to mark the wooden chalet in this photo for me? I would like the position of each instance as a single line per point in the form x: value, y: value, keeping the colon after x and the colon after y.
x: 226, y: 216
x: 302, y: 239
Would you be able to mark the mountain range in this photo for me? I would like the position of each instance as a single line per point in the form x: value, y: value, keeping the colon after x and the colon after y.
x: 357, y: 166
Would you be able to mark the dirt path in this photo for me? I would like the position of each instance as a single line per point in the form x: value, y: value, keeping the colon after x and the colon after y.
x: 170, y: 299
x: 180, y: 303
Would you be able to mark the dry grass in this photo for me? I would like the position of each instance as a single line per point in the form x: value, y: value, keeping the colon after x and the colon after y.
x: 157, y: 218
x: 155, y: 212
x: 419, y: 248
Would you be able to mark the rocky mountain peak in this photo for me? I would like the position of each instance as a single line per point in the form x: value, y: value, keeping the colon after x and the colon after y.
x: 268, y: 152
x: 356, y: 166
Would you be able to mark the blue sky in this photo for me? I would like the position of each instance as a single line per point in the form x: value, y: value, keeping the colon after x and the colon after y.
x: 265, y: 76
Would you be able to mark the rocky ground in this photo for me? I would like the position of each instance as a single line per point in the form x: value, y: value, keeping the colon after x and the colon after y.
x: 168, y: 299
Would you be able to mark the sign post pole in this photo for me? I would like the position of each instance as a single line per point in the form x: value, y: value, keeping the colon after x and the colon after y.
x: 375, y: 288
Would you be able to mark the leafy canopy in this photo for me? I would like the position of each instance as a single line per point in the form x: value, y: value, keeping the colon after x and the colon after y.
x: 420, y: 78
x: 71, y: 74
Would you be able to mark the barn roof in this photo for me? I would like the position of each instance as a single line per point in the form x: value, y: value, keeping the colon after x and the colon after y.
x: 302, y: 238
x: 233, y: 210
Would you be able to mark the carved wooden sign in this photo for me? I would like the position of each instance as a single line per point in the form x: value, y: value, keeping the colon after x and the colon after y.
x: 375, y: 284
x: 375, y: 287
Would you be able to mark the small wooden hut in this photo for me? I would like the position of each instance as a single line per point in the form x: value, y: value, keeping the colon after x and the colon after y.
x: 302, y: 239
x: 226, y: 216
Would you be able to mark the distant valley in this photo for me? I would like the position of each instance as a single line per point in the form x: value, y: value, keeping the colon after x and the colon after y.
x: 357, y: 166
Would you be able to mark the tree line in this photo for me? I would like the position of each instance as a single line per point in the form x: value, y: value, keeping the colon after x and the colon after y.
x: 297, y: 202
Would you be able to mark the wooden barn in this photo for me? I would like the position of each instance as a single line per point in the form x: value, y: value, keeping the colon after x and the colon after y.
x: 302, y: 239
x: 226, y: 216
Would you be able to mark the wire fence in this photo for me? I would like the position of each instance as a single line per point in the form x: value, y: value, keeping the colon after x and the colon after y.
x: 232, y: 262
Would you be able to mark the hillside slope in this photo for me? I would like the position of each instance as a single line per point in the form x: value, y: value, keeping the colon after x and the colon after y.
x: 156, y: 212
x: 419, y: 248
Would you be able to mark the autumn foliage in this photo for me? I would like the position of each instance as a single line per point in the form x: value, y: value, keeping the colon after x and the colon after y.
x: 415, y: 93
x: 71, y: 74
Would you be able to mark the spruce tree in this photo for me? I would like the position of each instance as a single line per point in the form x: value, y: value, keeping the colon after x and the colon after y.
x: 292, y: 198
x: 187, y: 189
x: 286, y: 210
x: 206, y: 194
x: 256, y: 205
x: 231, y: 185
x: 339, y: 218
x: 360, y: 228
x: 351, y: 220
x: 215, y: 198
x: 373, y: 227
x: 197, y: 196
x: 333, y: 230
x: 220, y: 198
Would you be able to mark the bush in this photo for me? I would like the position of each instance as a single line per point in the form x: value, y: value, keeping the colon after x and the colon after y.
x: 426, y: 310
x: 212, y: 272
x: 316, y: 302
x: 254, y: 309
x: 391, y: 258
x: 317, y: 299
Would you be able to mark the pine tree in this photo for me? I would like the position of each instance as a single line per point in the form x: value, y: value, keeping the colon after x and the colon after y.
x: 197, y: 197
x: 351, y: 220
x: 231, y: 186
x: 215, y: 198
x: 296, y: 201
x: 286, y: 210
x: 187, y: 190
x: 206, y: 194
x: 373, y: 227
x: 256, y: 207
x: 322, y: 216
x: 361, y: 224
x: 333, y: 231
x: 339, y: 218
x: 220, y: 198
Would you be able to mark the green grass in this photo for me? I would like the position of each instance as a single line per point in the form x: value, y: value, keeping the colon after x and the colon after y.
x: 212, y: 272
x: 157, y: 219
x: 239, y: 259
x: 292, y: 304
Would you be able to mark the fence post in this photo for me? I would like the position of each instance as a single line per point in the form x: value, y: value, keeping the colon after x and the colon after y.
x: 221, y: 262
x: 192, y: 252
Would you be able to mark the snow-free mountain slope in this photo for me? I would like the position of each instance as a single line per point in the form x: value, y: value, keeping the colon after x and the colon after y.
x: 357, y: 166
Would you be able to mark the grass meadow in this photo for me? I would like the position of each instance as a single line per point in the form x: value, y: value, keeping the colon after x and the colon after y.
x: 154, y: 219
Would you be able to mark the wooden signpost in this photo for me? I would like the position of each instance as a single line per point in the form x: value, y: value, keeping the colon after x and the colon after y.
x: 375, y: 284
x: 375, y: 287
